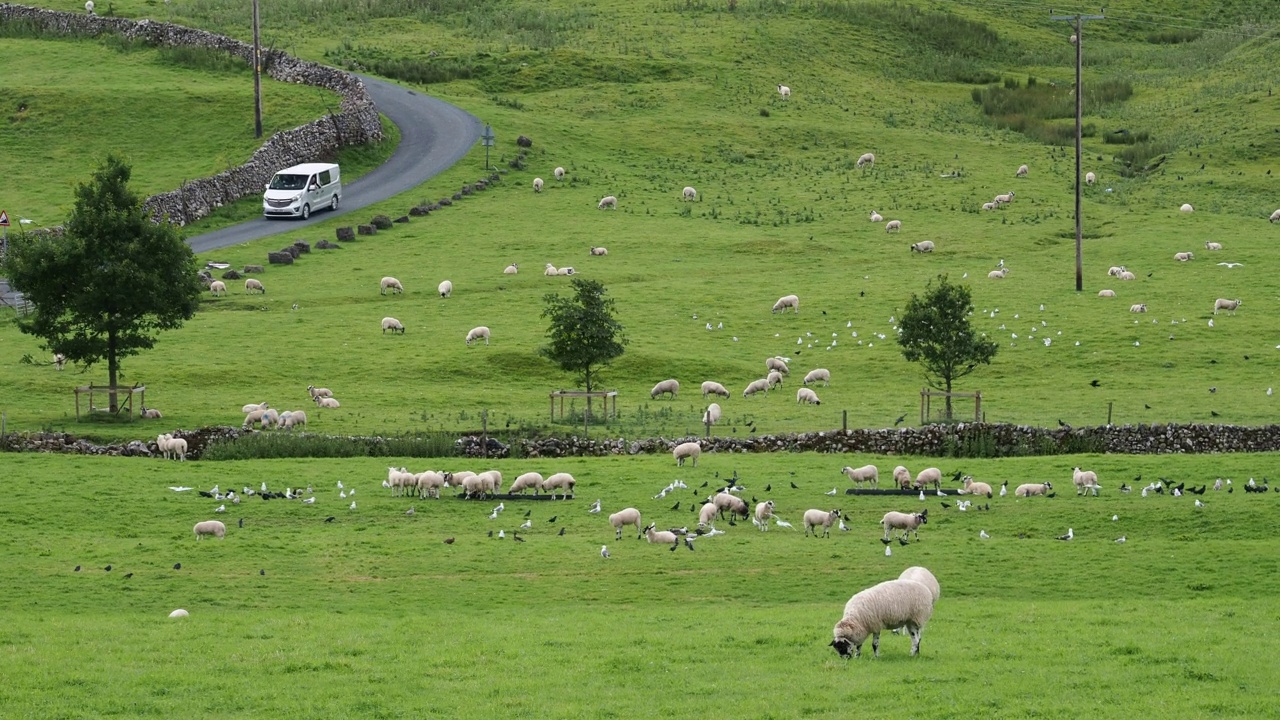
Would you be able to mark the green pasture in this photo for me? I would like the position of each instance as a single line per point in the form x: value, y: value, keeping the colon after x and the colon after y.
x: 373, y: 615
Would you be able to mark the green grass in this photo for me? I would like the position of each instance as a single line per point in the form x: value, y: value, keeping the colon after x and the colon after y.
x: 374, y: 616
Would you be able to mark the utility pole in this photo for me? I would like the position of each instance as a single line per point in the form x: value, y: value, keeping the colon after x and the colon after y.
x: 257, y: 76
x: 1079, y: 43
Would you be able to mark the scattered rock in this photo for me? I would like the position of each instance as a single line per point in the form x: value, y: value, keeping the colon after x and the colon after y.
x: 367, y: 230
x: 252, y: 269
x: 302, y: 246
x: 295, y: 252
x: 231, y: 275
x: 345, y: 234
x: 280, y: 258
x: 326, y: 245
x: 457, y: 196
x: 524, y: 142
x: 401, y: 219
x: 382, y: 222
x: 419, y: 210
x: 445, y: 202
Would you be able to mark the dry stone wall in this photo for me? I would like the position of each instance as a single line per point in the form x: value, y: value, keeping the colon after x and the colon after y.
x: 356, y: 122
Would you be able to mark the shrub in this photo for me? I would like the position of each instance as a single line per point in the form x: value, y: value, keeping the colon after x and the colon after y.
x: 258, y: 446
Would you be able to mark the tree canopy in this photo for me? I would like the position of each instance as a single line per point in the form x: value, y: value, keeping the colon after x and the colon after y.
x: 583, y: 334
x: 106, y: 286
x: 936, y: 333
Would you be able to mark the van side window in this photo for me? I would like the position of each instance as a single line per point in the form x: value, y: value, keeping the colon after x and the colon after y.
x: 325, y: 178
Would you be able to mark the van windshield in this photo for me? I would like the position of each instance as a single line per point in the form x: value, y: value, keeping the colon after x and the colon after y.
x: 288, y: 182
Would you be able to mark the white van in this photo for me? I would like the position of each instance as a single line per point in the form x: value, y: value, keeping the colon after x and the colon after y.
x: 296, y: 191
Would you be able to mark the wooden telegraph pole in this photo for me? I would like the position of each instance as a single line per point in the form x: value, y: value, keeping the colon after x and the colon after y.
x: 257, y: 76
x: 1079, y: 43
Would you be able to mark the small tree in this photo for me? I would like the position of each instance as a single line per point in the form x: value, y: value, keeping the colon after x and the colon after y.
x: 584, y: 335
x: 937, y: 334
x: 110, y: 282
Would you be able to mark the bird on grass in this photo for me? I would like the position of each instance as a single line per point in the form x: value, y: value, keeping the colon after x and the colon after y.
x: 832, y: 491
x: 128, y: 575
x: 527, y: 513
x: 595, y: 507
x: 782, y: 523
x: 768, y: 488
x: 409, y: 512
x: 794, y: 486
x: 604, y: 551
x: 983, y: 534
x: 353, y: 504
x: 527, y: 524
x: 1094, y: 383
x: 77, y: 569
x: 107, y: 568
x: 946, y: 505
x: 262, y: 572
x: 1214, y: 413
x: 177, y: 566
x: 1070, y: 535
x: 241, y: 522
x: 309, y: 501
x: 329, y: 519
x: 688, y: 542
x: 901, y: 419
x: 1121, y: 539
x: 516, y: 537
x: 888, y: 551
x: 562, y: 531
x: 552, y: 518
x: 903, y: 541
x: 886, y: 541
x: 502, y: 534
x: 448, y: 541
x: 676, y: 506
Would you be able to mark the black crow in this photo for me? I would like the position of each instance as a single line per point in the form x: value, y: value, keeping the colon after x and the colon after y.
x: 241, y: 522
x: 77, y: 568
x: 676, y: 506
x: 128, y: 575
x: 768, y: 488
x: 107, y: 568
x: 562, y: 529
x: 329, y: 519
x: 794, y: 486
x: 553, y: 517
x: 1094, y: 383
x: 901, y: 419
x: 262, y: 572
x: 177, y: 566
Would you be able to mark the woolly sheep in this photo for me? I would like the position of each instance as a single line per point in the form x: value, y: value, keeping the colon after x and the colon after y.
x: 1022, y: 171
x: 490, y: 481
x: 150, y: 414
x: 925, y: 578
x: 1126, y: 275
x: 252, y: 417
x: 1138, y: 308
x: 1208, y: 245
x: 989, y: 206
x: 474, y: 486
x: 1004, y: 199
x: 477, y: 333
x: 327, y: 402
x: 550, y: 270
x: 565, y: 271
x: 929, y: 476
x: 559, y: 173
x: 1090, y: 178
x: 1106, y: 293
x: 537, y: 185
x: 526, y: 481
x: 707, y: 514
x: 210, y: 527
x: 821, y: 374
x: 1225, y: 304
x: 684, y: 451
x: 785, y: 92
x: 893, y: 226
x: 814, y: 518
x: 253, y: 284
x: 445, y: 288
x: 251, y: 407
x: 429, y: 483
x: 179, y: 613
x: 755, y: 386
x: 891, y: 604
x: 1275, y: 216
x: 218, y: 288
x: 876, y: 217
x: 975, y: 488
x: 624, y: 517
x: 1184, y: 256
x: 393, y: 284
x: 906, y: 522
x: 764, y: 511
x: 724, y: 501
x: 1029, y: 489
x: 663, y: 537
x: 1084, y: 480
x: 172, y: 447
x: 316, y: 392
x: 608, y: 201
x: 998, y: 274
x: 666, y: 386
x: 710, y: 387
x: 902, y: 477
x: 865, y: 474
x: 59, y: 361
x: 924, y: 246
x: 295, y: 417
x: 774, y: 378
x: 866, y: 159
x: 787, y: 301
x: 807, y: 396
x: 400, y: 480
x: 392, y: 324
x: 712, y: 415
x: 560, y: 481
x: 690, y: 194
x: 511, y: 269
x: 777, y: 364
x: 599, y: 251
x: 1186, y: 208
x: 1116, y: 270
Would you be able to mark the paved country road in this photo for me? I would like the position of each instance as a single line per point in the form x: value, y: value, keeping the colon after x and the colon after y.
x: 433, y: 136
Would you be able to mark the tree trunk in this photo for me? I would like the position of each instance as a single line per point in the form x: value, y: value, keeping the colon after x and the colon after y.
x: 948, y: 381
x: 587, y: 415
x: 113, y: 369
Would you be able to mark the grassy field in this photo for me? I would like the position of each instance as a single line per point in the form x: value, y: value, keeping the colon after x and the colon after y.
x: 373, y: 615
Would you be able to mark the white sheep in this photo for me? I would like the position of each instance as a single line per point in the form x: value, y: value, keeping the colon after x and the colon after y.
x: 663, y: 537
x: 902, y: 477
x: 866, y: 159
x: 559, y: 173
x: 785, y: 92
x: 565, y: 271
x: 989, y: 206
x: 560, y: 481
x: 928, y: 476
x: 1116, y: 270
x: 685, y: 451
x: 445, y: 288
x: 511, y: 269
x: 1106, y: 293
x: 764, y: 511
x: 550, y: 270
x: 623, y: 518
x: 1126, y: 275
x: 429, y: 483
x: 891, y: 604
x: 707, y: 514
x: 975, y: 488
x: 392, y: 284
x: 1085, y: 480
x: 253, y: 284
x: 710, y: 387
x: 315, y: 392
x: 671, y: 386
x: 392, y: 324
x: 924, y: 246
x: 755, y: 386
x: 526, y: 481
x: 1209, y: 245
x: 1030, y: 489
x: 173, y: 447
x: 925, y: 578
x: 712, y: 415
x: 210, y: 527
x: 998, y: 274
x: 218, y: 288
x: 608, y: 201
x: 59, y: 361
x: 1090, y: 178
x: 893, y: 226
x: 821, y: 374
x: 490, y: 481
x: 1004, y: 199
x: 1022, y: 171
x: 734, y: 505
x: 327, y: 402
x: 253, y: 416
x: 179, y: 613
x: 400, y: 479
x: 806, y: 396
x: 1184, y: 256
x: 814, y: 518
x: 1138, y: 308
x: 777, y: 364
x: 865, y: 474
x: 88, y: 8
x: 787, y: 301
x: 906, y: 522
x: 1225, y: 304
x: 1186, y: 208
x: 775, y: 379
x: 150, y: 414
x: 477, y: 333
x: 537, y: 185
x: 690, y: 193
x: 1275, y: 216
x: 876, y: 217
x: 292, y: 418
x: 599, y: 251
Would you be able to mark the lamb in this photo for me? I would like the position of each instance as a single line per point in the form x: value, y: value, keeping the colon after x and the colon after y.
x: 755, y: 386
x: 989, y: 206
x: 1022, y: 171
x: 392, y: 324
x: 712, y: 415
x: 1138, y: 308
x: 1186, y: 208
x: 550, y: 270
x: 1085, y: 480
x: 806, y: 396
x: 1116, y: 270
x: 561, y: 481
x: 710, y: 387
x: 1225, y: 304
x: 399, y: 479
x: 891, y: 604
x: 902, y: 477
x: 1208, y: 245
x: 925, y: 578
x: 865, y: 474
x: 777, y: 364
x: 599, y: 251
x: 490, y: 481
x: 327, y: 402
x: 707, y: 514
x: 477, y: 333
x: 1184, y: 256
x: 210, y: 527
x: 1090, y: 178
x: 998, y: 274
x: 511, y: 269
x: 687, y: 450
x: 624, y: 517
x: 559, y: 173
x: 445, y: 288
x: 526, y: 481
x: 975, y: 488
x: 1030, y: 489
x: 764, y: 511
x: 565, y: 271
x: 906, y: 522
x: 218, y: 288
x: 787, y: 301
x: 666, y: 386
x: 929, y: 476
x: 316, y: 392
x: 924, y: 246
x: 876, y: 217
x: 1004, y: 199
x: 253, y: 284
x: 59, y: 361
x: 253, y: 416
x: 866, y: 159
x: 150, y: 414
x: 814, y: 518
x: 774, y: 378
x: 537, y: 185
x: 429, y: 483
x: 690, y: 193
x: 608, y: 201
x: 1106, y: 293
x: 1275, y: 216
x: 1126, y: 275
x: 814, y: 376
x: 785, y: 92
x: 172, y: 447
x: 893, y: 226
x: 295, y: 417
x: 393, y: 284
x: 664, y: 537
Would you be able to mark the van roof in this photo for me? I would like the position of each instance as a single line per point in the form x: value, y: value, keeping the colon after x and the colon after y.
x: 307, y: 168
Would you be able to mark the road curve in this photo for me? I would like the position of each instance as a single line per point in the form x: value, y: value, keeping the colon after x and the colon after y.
x: 433, y: 136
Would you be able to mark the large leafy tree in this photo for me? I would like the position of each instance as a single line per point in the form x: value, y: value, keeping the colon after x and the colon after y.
x: 936, y: 333
x: 104, y: 288
x: 584, y: 335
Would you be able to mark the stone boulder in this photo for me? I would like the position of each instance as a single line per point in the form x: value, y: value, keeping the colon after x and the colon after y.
x: 280, y: 258
x: 231, y: 275
x: 382, y: 222
x: 252, y: 269
x: 367, y: 230
x: 345, y: 234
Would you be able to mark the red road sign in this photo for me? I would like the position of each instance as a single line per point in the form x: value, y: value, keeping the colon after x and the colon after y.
x: 4, y: 219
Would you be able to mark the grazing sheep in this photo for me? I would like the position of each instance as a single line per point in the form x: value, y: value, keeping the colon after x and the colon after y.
x: 490, y: 481
x: 608, y: 201
x: 218, y: 288
x: 1184, y: 256
x: 429, y: 483
x: 777, y: 364
x: 928, y: 476
x: 599, y: 251
x: 253, y: 417
x: 1022, y: 171
x: 316, y: 392
x: 975, y: 488
x: 902, y: 478
x: 998, y: 274
x: 893, y: 226
x: 1085, y: 480
x: 876, y: 217
x: 1090, y: 178
x: 401, y: 480
x: 624, y: 517
x: 764, y: 511
x: 253, y: 284
x: 150, y: 414
x: 565, y: 271
x: 924, y: 246
x: 690, y: 194
x: 1275, y: 216
x: 1126, y: 275
x: 393, y: 284
x: 526, y: 481
x: 662, y: 537
x: 1225, y: 304
x: 666, y: 386
x: 684, y: 451
x: 445, y: 288
x: 866, y: 159
x: 814, y: 518
x: 1208, y: 245
x: 210, y: 527
x: 1029, y: 489
x: 989, y: 206
x: 560, y: 481
x: 755, y: 386
x: 537, y: 185
x: 59, y: 361
x: 785, y: 92
x: 724, y: 501
x: 707, y: 514
x: 925, y: 578
x: 1106, y: 293
x: 295, y: 417
x: 179, y: 613
x: 710, y: 387
x: 559, y: 173
x: 1186, y: 208
x: 891, y: 604
x: 865, y: 474
x: 806, y: 396
x: 477, y: 333
x: 906, y: 522
x: 712, y: 415
x: 327, y: 402
x: 511, y: 269
x: 1139, y: 308
x: 392, y: 324
x: 814, y: 376
x: 787, y: 301
x: 775, y: 379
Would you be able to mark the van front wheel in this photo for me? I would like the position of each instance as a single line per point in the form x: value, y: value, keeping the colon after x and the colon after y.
x: 333, y: 204
x: 306, y: 211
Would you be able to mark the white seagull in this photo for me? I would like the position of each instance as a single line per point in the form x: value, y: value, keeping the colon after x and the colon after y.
x: 782, y: 523
x: 502, y: 534
x: 1070, y: 534
x: 595, y: 507
x: 309, y: 501
x: 342, y: 494
x: 527, y: 524
x: 832, y: 491
x: 1120, y: 539
x: 339, y: 485
x: 604, y: 551
x: 843, y: 526
x: 888, y: 551
x: 180, y: 488
x: 493, y: 515
x: 264, y: 486
x: 1231, y: 264
x: 221, y: 508
x: 1115, y: 518
x: 1198, y: 503
x: 353, y: 504
x: 921, y: 496
x: 216, y: 490
x: 983, y: 534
